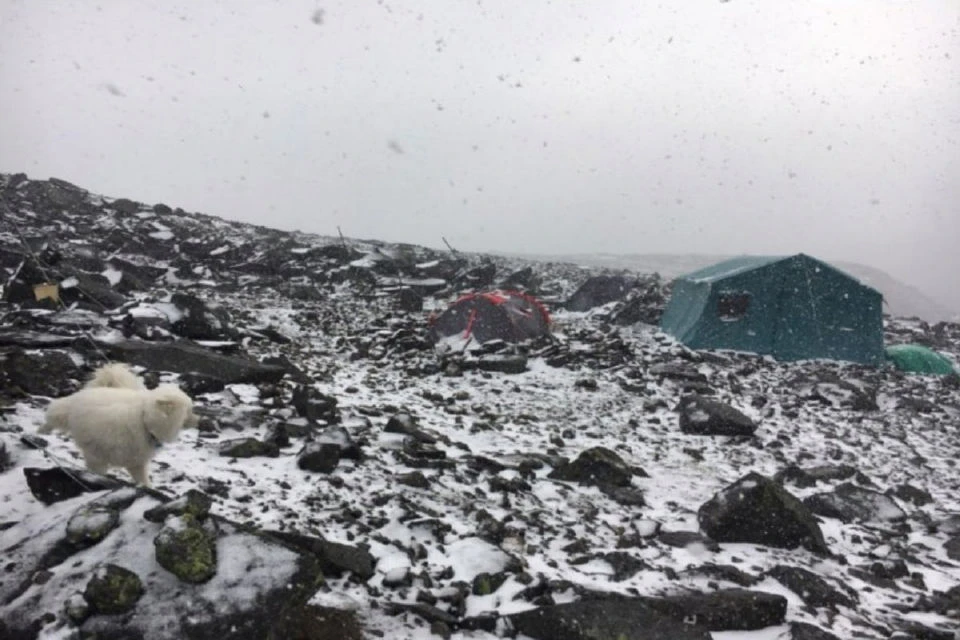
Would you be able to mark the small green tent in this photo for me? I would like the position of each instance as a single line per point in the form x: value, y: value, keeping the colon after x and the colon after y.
x: 915, y: 358
x: 793, y: 308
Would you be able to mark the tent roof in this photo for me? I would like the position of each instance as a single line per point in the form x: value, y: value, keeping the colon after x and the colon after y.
x: 742, y: 264
x: 731, y: 267
x: 915, y: 358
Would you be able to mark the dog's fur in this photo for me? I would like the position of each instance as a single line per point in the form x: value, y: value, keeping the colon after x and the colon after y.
x: 120, y: 427
x: 117, y: 375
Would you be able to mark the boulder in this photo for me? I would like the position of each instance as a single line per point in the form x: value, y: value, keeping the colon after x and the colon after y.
x: 113, y: 590
x: 811, y: 476
x: 49, y: 372
x: 188, y: 357
x: 806, y: 631
x: 850, y: 503
x: 260, y: 586
x: 598, y: 291
x: 619, y: 618
x: 812, y: 589
x: 92, y: 289
x: 595, y: 466
x: 193, y: 504
x: 319, y: 457
x: 91, y: 524
x: 248, y: 448
x: 677, y: 371
x: 187, y: 550
x: 705, y: 417
x: 200, y: 321
x: 314, y: 405
x: 724, y: 610
x: 758, y: 510
x: 55, y: 484
x: 409, y: 300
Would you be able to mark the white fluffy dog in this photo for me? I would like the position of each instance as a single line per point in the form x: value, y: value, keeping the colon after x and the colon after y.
x: 119, y: 376
x: 120, y: 427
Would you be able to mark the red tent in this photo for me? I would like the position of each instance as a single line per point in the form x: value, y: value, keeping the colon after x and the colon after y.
x: 511, y: 316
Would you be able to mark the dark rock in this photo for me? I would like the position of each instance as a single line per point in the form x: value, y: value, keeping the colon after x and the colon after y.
x: 683, y: 539
x: 197, y: 383
x: 850, y: 503
x: 193, y: 503
x: 248, y: 448
x: 56, y: 484
x: 725, y: 610
x: 426, y: 611
x: 125, y: 206
x: 113, y: 590
x: 50, y: 373
x: 524, y: 279
x: 407, y: 424
x: 726, y: 572
x: 911, y: 494
x: 278, y: 435
x: 313, y: 622
x: 187, y: 550
x: 409, y: 300
x: 618, y: 618
x: 339, y: 436
x: 486, y: 583
x: 952, y: 547
x: 334, y: 557
x: 5, y: 462
x: 598, y: 291
x: 628, y: 496
x: 186, y: 357
x: 414, y: 479
x: 199, y: 321
x: 758, y: 510
x: 677, y: 371
x: 477, y: 277
x: 91, y: 288
x: 314, y: 405
x: 320, y: 457
x: 809, y: 477
x: 625, y: 565
x: 812, y: 589
x: 805, y: 631
x: 595, y: 466
x: 509, y: 364
x: 706, y: 417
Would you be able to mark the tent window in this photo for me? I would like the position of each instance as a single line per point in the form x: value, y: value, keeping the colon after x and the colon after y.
x: 733, y: 305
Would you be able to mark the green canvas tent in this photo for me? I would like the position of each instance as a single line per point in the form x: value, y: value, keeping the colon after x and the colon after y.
x: 914, y: 358
x: 793, y: 308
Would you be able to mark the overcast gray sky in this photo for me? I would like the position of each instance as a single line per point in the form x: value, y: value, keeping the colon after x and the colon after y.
x: 629, y: 126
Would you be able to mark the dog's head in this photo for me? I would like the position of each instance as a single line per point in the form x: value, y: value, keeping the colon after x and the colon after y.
x: 170, y: 410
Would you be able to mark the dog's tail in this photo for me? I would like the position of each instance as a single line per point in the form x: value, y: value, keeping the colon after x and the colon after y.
x: 116, y: 375
x: 57, y: 417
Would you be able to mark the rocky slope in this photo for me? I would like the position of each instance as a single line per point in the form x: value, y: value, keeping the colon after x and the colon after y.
x: 350, y: 480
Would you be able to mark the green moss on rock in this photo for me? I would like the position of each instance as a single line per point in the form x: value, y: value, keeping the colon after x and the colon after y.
x: 187, y: 550
x: 113, y: 590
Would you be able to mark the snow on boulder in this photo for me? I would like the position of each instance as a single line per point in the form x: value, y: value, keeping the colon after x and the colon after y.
x: 705, y: 417
x: 257, y: 583
x: 756, y: 509
x: 850, y: 503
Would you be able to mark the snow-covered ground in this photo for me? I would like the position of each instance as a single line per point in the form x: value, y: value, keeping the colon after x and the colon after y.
x: 485, y: 503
